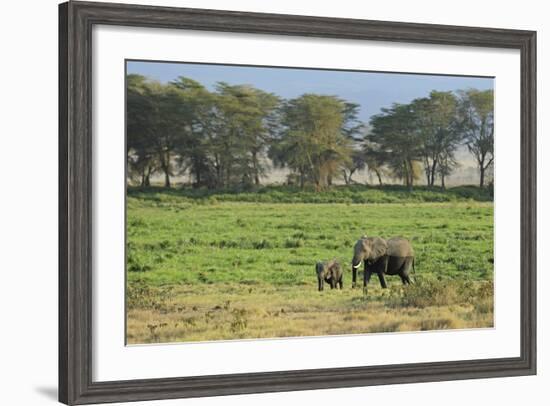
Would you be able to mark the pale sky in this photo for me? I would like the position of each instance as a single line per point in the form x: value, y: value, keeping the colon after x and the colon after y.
x: 371, y: 90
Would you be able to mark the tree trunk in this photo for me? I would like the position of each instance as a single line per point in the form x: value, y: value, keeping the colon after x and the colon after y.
x: 481, y: 163
x: 218, y: 169
x: 406, y: 173
x: 317, y: 180
x: 481, y: 176
x: 428, y: 171
x: 146, y: 177
x: 165, y: 165
x: 350, y: 175
x: 379, y: 176
x: 346, y: 181
x: 442, y: 181
x: 255, y: 167
x: 411, y: 175
x: 434, y: 166
x: 198, y: 179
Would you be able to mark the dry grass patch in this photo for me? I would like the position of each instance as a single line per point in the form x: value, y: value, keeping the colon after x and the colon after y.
x: 187, y: 315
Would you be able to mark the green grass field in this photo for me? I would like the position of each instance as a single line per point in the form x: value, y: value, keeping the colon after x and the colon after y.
x: 208, y: 266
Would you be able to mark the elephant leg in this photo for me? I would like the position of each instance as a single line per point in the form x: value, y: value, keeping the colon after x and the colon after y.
x: 341, y: 283
x: 385, y: 260
x: 366, y: 278
x: 405, y: 278
x: 382, y: 280
x: 353, y: 276
x: 321, y: 284
x: 407, y: 268
x: 332, y: 283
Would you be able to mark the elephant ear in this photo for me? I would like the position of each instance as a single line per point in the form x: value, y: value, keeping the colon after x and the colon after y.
x: 336, y: 268
x: 378, y: 247
x: 333, y: 266
x: 319, y: 267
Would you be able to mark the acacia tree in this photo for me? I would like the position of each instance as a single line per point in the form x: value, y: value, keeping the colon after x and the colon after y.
x: 357, y: 162
x: 477, y: 120
x: 447, y: 164
x: 315, y: 137
x: 291, y: 150
x: 393, y: 136
x: 193, y: 149
x: 173, y: 118
x: 141, y: 158
x: 257, y: 119
x: 245, y: 120
x: 374, y: 158
x: 436, y: 122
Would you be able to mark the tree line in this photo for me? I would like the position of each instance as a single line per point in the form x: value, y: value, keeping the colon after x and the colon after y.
x: 229, y: 136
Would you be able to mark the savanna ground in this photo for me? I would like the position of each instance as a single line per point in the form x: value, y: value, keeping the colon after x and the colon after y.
x: 230, y: 265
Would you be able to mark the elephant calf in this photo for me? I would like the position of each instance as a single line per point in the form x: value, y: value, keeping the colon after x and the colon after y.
x: 392, y: 257
x: 329, y: 272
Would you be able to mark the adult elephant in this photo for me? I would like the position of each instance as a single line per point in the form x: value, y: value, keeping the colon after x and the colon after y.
x: 392, y: 257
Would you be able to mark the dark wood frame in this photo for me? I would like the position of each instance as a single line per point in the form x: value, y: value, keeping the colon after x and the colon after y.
x: 76, y: 20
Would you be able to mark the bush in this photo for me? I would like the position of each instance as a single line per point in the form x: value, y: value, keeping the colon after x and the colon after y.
x: 262, y: 244
x: 359, y: 194
x: 445, y: 292
x: 139, y: 294
x: 426, y: 293
x: 294, y: 243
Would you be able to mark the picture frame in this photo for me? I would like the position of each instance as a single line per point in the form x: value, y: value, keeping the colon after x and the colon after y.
x: 76, y: 352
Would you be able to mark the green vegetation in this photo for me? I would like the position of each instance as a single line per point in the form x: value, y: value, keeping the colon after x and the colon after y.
x: 204, y: 265
x: 289, y: 194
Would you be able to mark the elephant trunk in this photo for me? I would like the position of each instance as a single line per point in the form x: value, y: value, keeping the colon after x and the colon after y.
x: 356, y: 262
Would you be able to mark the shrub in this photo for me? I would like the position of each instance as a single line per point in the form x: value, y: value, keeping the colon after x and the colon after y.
x: 262, y: 244
x: 294, y: 243
x: 359, y: 194
x: 239, y: 321
x: 134, y: 264
x: 444, y: 292
x: 139, y: 294
x: 426, y: 293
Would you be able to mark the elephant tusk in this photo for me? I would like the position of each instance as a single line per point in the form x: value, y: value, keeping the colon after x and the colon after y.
x: 356, y: 266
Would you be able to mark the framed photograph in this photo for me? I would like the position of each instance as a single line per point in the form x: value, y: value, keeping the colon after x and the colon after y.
x: 259, y: 202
